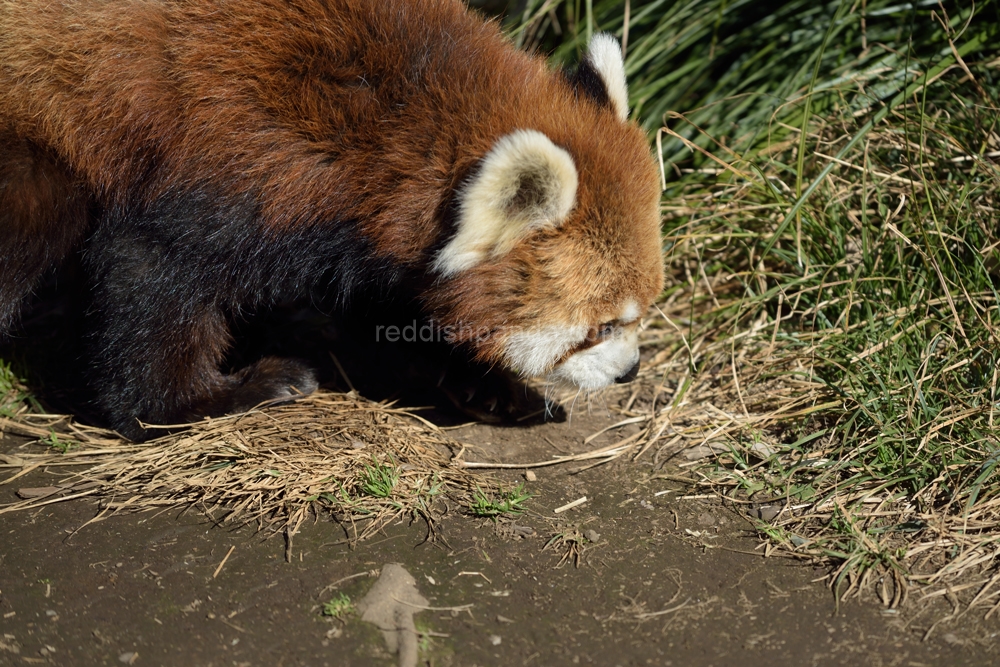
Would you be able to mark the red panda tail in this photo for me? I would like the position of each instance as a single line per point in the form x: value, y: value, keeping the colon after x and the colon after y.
x: 42, y: 216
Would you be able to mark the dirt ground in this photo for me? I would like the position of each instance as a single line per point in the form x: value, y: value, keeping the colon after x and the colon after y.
x: 666, y: 581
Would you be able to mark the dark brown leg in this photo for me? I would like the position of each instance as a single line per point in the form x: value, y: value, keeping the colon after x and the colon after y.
x: 160, y: 295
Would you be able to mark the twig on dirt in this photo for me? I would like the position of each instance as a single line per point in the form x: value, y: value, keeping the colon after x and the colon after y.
x: 330, y: 587
x: 605, y: 454
x: 570, y: 505
x: 224, y: 559
x: 462, y: 607
x: 624, y: 422
x: 662, y: 612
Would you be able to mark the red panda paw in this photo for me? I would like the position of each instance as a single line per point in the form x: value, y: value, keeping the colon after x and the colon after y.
x: 270, y: 380
x: 266, y: 382
x: 495, y: 396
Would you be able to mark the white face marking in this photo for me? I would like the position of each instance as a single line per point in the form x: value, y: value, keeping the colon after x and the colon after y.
x: 533, y: 352
x: 630, y: 313
x: 599, y: 366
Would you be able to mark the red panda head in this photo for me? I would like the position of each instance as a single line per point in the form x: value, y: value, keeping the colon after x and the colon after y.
x: 556, y: 251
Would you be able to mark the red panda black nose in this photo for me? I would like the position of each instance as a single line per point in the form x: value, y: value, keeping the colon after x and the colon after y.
x: 628, y: 375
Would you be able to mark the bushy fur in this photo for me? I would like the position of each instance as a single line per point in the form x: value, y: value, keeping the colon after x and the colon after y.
x: 216, y: 156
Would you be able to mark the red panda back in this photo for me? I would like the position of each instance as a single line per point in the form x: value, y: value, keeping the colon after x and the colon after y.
x: 343, y: 99
x: 344, y: 95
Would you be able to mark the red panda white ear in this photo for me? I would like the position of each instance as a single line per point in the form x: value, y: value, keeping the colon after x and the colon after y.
x: 525, y: 183
x: 604, y: 58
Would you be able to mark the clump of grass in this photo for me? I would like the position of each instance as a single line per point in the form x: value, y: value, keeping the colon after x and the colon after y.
x: 379, y: 480
x: 14, y: 396
x: 502, y: 503
x: 55, y: 442
x: 339, y: 607
x: 571, y: 542
x: 273, y: 468
x: 870, y: 282
x: 830, y: 337
x: 727, y: 68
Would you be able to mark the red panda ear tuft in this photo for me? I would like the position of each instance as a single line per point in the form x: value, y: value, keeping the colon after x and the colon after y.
x: 601, y: 75
x: 525, y: 183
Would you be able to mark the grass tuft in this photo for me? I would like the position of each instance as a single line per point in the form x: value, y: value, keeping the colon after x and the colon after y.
x: 273, y: 468
x: 830, y: 336
x: 501, y: 503
x: 339, y: 607
x: 379, y: 480
x: 14, y: 396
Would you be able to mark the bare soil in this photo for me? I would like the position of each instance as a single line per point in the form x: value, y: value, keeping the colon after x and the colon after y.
x: 665, y: 581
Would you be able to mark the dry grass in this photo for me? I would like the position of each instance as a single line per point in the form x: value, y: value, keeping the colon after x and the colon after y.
x: 365, y: 463
x: 833, y: 355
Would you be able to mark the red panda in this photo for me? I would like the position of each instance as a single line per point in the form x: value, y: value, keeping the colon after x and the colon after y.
x: 210, y: 157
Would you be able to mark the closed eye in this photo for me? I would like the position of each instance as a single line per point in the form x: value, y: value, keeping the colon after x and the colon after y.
x: 597, y: 334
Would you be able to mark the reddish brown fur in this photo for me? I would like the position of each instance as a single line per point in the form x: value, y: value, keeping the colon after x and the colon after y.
x: 37, y: 191
x: 349, y: 110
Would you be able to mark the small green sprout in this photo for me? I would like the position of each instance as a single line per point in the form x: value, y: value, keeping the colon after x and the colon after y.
x: 379, y: 479
x: 507, y: 502
x: 424, y: 642
x: 13, y: 395
x: 338, y: 607
x: 53, y: 441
